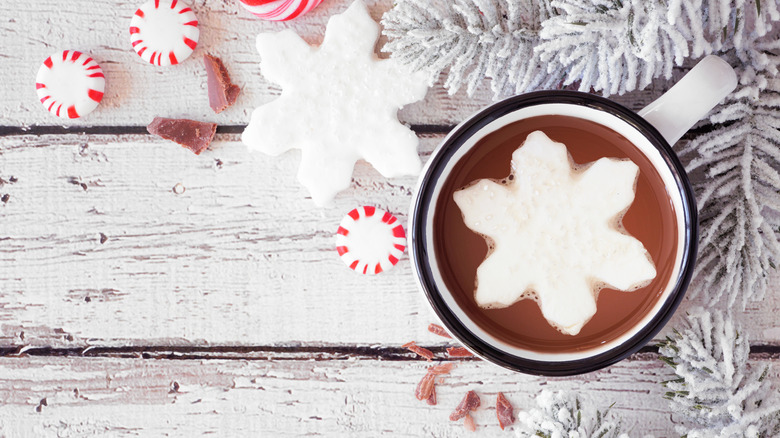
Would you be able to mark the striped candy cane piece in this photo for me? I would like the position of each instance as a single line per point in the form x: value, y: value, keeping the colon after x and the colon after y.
x: 70, y: 84
x: 164, y: 32
x: 370, y: 240
x: 279, y: 10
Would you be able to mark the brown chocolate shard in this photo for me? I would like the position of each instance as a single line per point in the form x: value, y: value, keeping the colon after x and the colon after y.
x: 426, y: 387
x: 469, y: 403
x: 414, y: 348
x: 432, y: 399
x: 504, y: 411
x: 458, y: 352
x: 222, y: 92
x: 193, y: 135
x: 438, y: 330
x: 438, y: 370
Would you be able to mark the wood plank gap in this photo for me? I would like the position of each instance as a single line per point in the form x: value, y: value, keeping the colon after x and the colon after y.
x: 285, y: 352
x: 288, y: 352
x: 419, y: 129
x: 260, y: 352
x: 12, y: 131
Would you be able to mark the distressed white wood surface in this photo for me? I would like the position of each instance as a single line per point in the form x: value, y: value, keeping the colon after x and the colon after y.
x: 97, y: 250
x: 241, y: 257
x: 137, y: 91
x: 135, y: 397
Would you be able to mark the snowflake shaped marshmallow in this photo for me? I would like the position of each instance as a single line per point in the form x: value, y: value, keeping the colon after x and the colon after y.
x: 338, y: 104
x: 554, y: 233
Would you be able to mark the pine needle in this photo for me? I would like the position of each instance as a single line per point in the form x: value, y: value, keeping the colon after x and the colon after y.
x: 717, y: 391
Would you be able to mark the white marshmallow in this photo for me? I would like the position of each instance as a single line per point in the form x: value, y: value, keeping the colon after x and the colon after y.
x: 555, y: 233
x: 339, y: 104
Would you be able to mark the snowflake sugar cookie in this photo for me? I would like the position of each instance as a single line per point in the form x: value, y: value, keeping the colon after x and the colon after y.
x: 554, y: 232
x: 338, y: 104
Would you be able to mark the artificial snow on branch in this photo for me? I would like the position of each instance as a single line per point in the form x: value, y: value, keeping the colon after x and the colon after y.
x: 611, y: 46
x: 474, y: 39
x: 716, y: 389
x: 737, y: 184
x: 719, y: 25
x: 615, y: 46
x: 560, y: 415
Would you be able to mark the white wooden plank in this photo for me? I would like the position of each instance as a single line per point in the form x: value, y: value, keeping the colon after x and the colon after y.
x: 127, y: 397
x: 96, y: 250
x: 241, y: 257
x: 137, y: 91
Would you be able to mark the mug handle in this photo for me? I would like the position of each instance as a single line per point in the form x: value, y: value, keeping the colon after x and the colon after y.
x: 690, y: 99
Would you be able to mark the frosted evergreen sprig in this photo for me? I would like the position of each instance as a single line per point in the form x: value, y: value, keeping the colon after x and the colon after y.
x: 612, y: 46
x: 737, y: 184
x: 721, y: 25
x: 474, y: 39
x: 716, y: 389
x: 561, y: 415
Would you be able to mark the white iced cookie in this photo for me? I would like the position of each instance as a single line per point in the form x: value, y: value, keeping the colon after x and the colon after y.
x: 555, y: 233
x: 338, y: 104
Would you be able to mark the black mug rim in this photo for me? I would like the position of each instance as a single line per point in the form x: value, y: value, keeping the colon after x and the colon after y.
x: 423, y: 204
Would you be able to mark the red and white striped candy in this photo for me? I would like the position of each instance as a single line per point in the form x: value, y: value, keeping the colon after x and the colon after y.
x: 70, y: 84
x: 279, y: 10
x: 370, y: 240
x: 164, y: 32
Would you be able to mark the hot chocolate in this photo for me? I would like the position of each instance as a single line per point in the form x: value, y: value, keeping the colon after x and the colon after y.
x: 651, y: 219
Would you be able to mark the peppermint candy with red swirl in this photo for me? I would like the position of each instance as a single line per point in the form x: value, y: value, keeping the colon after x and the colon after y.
x: 164, y: 32
x: 279, y: 10
x: 370, y: 240
x: 70, y: 84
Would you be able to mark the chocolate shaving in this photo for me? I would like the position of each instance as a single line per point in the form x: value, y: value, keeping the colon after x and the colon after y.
x: 438, y: 330
x: 222, y: 92
x: 440, y: 369
x: 468, y: 423
x: 432, y: 399
x: 414, y: 348
x: 458, y: 352
x: 193, y: 135
x: 504, y: 411
x: 469, y: 403
x: 425, y: 387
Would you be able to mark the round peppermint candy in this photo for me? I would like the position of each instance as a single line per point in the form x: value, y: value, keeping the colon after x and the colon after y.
x: 279, y: 10
x: 370, y: 240
x: 164, y: 32
x: 70, y: 84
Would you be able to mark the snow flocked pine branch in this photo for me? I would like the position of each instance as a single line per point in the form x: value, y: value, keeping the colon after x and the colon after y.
x: 737, y: 182
x: 560, y: 415
x: 617, y: 46
x: 716, y: 389
x: 612, y: 46
x: 474, y: 39
x: 738, y: 195
x: 719, y: 25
